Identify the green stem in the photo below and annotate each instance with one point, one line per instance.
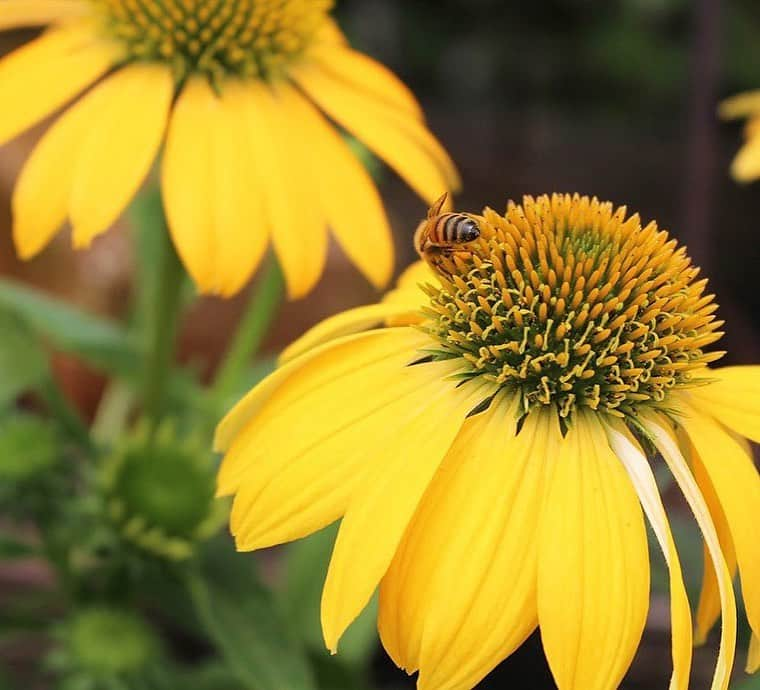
(258, 316)
(64, 412)
(113, 412)
(161, 327)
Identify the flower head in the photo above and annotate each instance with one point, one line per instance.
(159, 494)
(491, 459)
(236, 92)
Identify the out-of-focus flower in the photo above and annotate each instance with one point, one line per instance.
(237, 92)
(102, 647)
(159, 494)
(746, 165)
(490, 463)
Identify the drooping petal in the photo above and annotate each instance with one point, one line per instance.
(746, 164)
(362, 73)
(41, 196)
(593, 569)
(668, 447)
(733, 398)
(708, 608)
(735, 479)
(116, 155)
(212, 188)
(45, 73)
(292, 206)
(344, 406)
(346, 192)
(17, 13)
(753, 654)
(387, 497)
(460, 594)
(403, 142)
(635, 462)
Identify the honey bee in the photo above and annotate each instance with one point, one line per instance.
(444, 233)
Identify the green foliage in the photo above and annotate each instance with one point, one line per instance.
(23, 364)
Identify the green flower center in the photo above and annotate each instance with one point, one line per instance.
(570, 303)
(247, 38)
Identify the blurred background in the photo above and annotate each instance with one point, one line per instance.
(615, 99)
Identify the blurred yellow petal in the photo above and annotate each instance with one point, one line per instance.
(732, 397)
(346, 192)
(41, 196)
(347, 402)
(362, 73)
(753, 654)
(212, 188)
(292, 206)
(444, 605)
(44, 74)
(384, 503)
(636, 464)
(403, 142)
(735, 479)
(343, 323)
(17, 13)
(741, 105)
(666, 443)
(593, 569)
(746, 165)
(127, 128)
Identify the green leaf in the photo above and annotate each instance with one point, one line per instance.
(101, 342)
(306, 567)
(12, 548)
(242, 617)
(751, 683)
(23, 364)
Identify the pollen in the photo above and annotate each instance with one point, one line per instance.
(570, 302)
(246, 38)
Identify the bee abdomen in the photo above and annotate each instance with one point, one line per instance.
(455, 228)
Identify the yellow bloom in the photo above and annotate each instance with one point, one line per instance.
(491, 459)
(746, 165)
(235, 91)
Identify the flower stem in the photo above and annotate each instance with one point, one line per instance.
(254, 324)
(161, 326)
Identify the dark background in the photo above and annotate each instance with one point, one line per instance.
(615, 99)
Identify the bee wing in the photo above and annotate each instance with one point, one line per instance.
(435, 209)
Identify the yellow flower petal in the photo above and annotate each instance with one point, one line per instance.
(737, 484)
(753, 654)
(362, 73)
(404, 143)
(741, 105)
(444, 605)
(384, 503)
(45, 73)
(41, 196)
(299, 232)
(733, 398)
(213, 188)
(125, 134)
(593, 569)
(635, 462)
(668, 447)
(708, 608)
(346, 192)
(17, 13)
(343, 405)
(746, 165)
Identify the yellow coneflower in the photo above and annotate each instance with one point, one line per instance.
(236, 91)
(746, 164)
(490, 462)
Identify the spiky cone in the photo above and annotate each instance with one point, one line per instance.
(158, 493)
(236, 92)
(492, 461)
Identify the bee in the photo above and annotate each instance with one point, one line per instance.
(444, 233)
